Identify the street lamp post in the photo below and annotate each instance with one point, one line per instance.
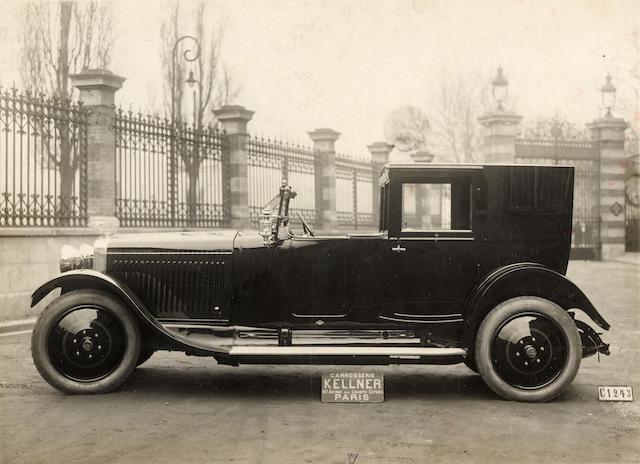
(499, 89)
(192, 81)
(608, 94)
(190, 55)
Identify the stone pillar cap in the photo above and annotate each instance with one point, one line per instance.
(504, 117)
(233, 112)
(324, 134)
(93, 78)
(380, 147)
(613, 123)
(422, 156)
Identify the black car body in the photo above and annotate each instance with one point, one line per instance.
(466, 256)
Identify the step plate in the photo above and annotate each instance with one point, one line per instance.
(393, 351)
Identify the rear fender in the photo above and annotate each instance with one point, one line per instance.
(522, 279)
(90, 279)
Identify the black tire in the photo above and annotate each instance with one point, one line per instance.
(517, 365)
(145, 353)
(84, 342)
(470, 362)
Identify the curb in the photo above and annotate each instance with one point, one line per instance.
(17, 325)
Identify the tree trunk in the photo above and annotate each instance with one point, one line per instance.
(65, 162)
(66, 169)
(193, 171)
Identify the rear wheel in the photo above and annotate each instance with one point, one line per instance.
(470, 362)
(528, 349)
(85, 341)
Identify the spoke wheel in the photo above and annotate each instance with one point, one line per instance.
(85, 341)
(528, 349)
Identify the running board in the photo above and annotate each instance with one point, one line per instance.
(391, 351)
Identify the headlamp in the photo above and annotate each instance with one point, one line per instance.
(73, 258)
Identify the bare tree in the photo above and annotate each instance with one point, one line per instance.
(214, 86)
(59, 39)
(407, 128)
(454, 109)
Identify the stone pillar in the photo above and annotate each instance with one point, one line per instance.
(234, 120)
(324, 142)
(97, 93)
(609, 133)
(379, 157)
(500, 131)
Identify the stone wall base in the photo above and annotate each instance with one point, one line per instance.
(26, 262)
(612, 250)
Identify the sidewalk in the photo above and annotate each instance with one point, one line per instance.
(629, 258)
(17, 325)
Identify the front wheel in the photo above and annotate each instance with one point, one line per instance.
(85, 341)
(145, 353)
(528, 349)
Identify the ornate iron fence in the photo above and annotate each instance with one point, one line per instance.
(354, 192)
(43, 161)
(169, 175)
(583, 155)
(269, 162)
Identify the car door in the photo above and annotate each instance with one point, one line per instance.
(313, 275)
(431, 245)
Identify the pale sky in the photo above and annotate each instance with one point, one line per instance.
(346, 64)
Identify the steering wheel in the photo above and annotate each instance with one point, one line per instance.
(305, 227)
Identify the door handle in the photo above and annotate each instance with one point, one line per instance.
(398, 249)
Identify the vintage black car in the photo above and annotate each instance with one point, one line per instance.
(468, 266)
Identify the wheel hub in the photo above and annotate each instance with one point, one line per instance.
(530, 351)
(87, 344)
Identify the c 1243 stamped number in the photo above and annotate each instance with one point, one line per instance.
(615, 393)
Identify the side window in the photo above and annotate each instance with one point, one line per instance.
(436, 206)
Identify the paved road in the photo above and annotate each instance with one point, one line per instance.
(177, 409)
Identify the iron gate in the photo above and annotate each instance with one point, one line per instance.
(632, 204)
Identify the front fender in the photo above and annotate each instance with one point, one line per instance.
(519, 280)
(78, 279)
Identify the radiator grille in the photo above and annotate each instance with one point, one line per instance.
(175, 285)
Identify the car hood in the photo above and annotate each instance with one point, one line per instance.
(218, 240)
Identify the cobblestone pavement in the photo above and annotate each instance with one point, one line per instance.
(177, 409)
